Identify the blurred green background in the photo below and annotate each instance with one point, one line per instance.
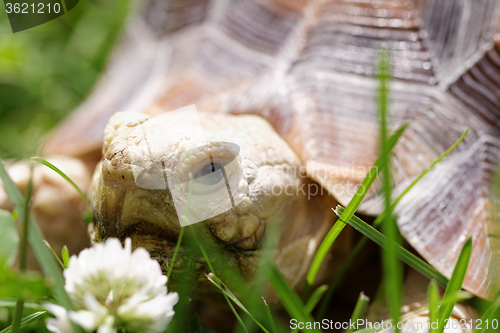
(46, 71)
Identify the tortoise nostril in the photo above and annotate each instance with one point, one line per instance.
(123, 177)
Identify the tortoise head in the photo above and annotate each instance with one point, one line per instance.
(236, 177)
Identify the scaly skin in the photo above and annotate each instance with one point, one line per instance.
(264, 165)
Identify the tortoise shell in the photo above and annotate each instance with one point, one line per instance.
(308, 67)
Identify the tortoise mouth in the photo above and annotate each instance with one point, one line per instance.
(146, 232)
(161, 244)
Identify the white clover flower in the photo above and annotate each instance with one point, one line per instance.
(113, 287)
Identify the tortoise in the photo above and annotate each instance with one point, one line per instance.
(294, 83)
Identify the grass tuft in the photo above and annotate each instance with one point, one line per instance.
(455, 284)
(402, 253)
(348, 213)
(26, 321)
(47, 262)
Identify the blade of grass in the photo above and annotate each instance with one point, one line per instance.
(250, 293)
(392, 275)
(174, 256)
(349, 211)
(213, 278)
(65, 256)
(380, 218)
(455, 284)
(313, 301)
(339, 275)
(10, 303)
(181, 234)
(26, 321)
(315, 297)
(236, 313)
(228, 295)
(56, 169)
(47, 262)
(23, 250)
(225, 291)
(290, 300)
(359, 310)
(361, 243)
(9, 238)
(403, 254)
(372, 174)
(218, 283)
(429, 169)
(454, 298)
(489, 314)
(269, 316)
(55, 254)
(432, 300)
(459, 296)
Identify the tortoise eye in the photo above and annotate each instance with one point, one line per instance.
(211, 174)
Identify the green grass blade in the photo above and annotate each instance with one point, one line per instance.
(489, 314)
(56, 169)
(226, 292)
(359, 310)
(315, 297)
(63, 266)
(181, 234)
(348, 213)
(236, 314)
(218, 283)
(320, 256)
(174, 256)
(403, 254)
(428, 169)
(26, 321)
(269, 316)
(65, 256)
(361, 243)
(353, 254)
(215, 280)
(380, 218)
(454, 298)
(9, 238)
(459, 296)
(432, 300)
(290, 300)
(455, 284)
(10, 303)
(228, 295)
(313, 301)
(45, 258)
(23, 251)
(392, 267)
(370, 178)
